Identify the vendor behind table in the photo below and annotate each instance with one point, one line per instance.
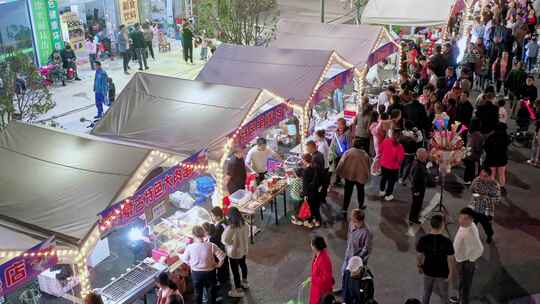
(257, 158)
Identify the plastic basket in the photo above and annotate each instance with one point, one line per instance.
(303, 293)
(295, 188)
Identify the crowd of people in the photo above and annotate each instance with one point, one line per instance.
(486, 86)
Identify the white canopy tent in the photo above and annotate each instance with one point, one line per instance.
(294, 74)
(54, 183)
(407, 12)
(353, 42)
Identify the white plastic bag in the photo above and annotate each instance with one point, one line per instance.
(181, 200)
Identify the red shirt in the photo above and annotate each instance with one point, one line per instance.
(391, 154)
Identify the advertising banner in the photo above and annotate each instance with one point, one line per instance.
(54, 23)
(25, 267)
(129, 12)
(381, 53)
(42, 30)
(151, 194)
(261, 122)
(338, 81)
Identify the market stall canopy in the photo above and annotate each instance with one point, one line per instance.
(177, 115)
(55, 183)
(291, 73)
(352, 42)
(407, 12)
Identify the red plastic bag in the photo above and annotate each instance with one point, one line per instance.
(305, 211)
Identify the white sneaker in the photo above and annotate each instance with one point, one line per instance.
(382, 193)
(308, 224)
(389, 197)
(245, 284)
(400, 180)
(235, 293)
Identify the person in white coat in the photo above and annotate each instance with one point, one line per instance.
(236, 241)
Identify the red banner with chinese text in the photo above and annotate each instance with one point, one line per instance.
(153, 192)
(382, 53)
(263, 121)
(28, 265)
(338, 81)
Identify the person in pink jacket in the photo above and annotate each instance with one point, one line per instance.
(322, 281)
(392, 155)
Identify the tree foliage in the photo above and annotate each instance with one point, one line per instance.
(25, 98)
(243, 22)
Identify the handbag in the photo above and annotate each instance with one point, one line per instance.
(305, 211)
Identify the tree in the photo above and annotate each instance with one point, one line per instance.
(23, 94)
(243, 22)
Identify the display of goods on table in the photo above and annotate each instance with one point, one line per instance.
(263, 194)
(173, 234)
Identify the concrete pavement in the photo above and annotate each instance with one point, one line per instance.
(75, 101)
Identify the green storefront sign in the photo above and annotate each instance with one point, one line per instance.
(46, 28)
(54, 23)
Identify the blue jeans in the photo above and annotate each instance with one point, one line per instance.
(100, 99)
(204, 53)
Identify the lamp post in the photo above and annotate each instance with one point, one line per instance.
(323, 2)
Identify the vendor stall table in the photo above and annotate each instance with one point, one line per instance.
(250, 207)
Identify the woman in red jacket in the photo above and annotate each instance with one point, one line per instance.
(392, 154)
(322, 281)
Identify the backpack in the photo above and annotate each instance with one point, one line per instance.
(497, 34)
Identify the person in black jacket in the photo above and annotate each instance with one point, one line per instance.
(438, 62)
(530, 91)
(319, 163)
(310, 183)
(487, 111)
(358, 287)
(69, 59)
(416, 113)
(464, 110)
(419, 181)
(219, 222)
(496, 147)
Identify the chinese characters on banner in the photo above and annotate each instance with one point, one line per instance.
(43, 35)
(151, 194)
(381, 53)
(263, 121)
(54, 23)
(333, 83)
(129, 12)
(19, 270)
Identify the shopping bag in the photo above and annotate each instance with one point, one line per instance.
(305, 211)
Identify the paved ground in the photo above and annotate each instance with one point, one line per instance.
(76, 99)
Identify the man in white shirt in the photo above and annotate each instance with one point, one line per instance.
(468, 248)
(257, 158)
(384, 97)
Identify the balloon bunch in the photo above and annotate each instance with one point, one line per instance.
(447, 147)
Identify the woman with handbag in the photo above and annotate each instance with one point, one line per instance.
(309, 217)
(236, 240)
